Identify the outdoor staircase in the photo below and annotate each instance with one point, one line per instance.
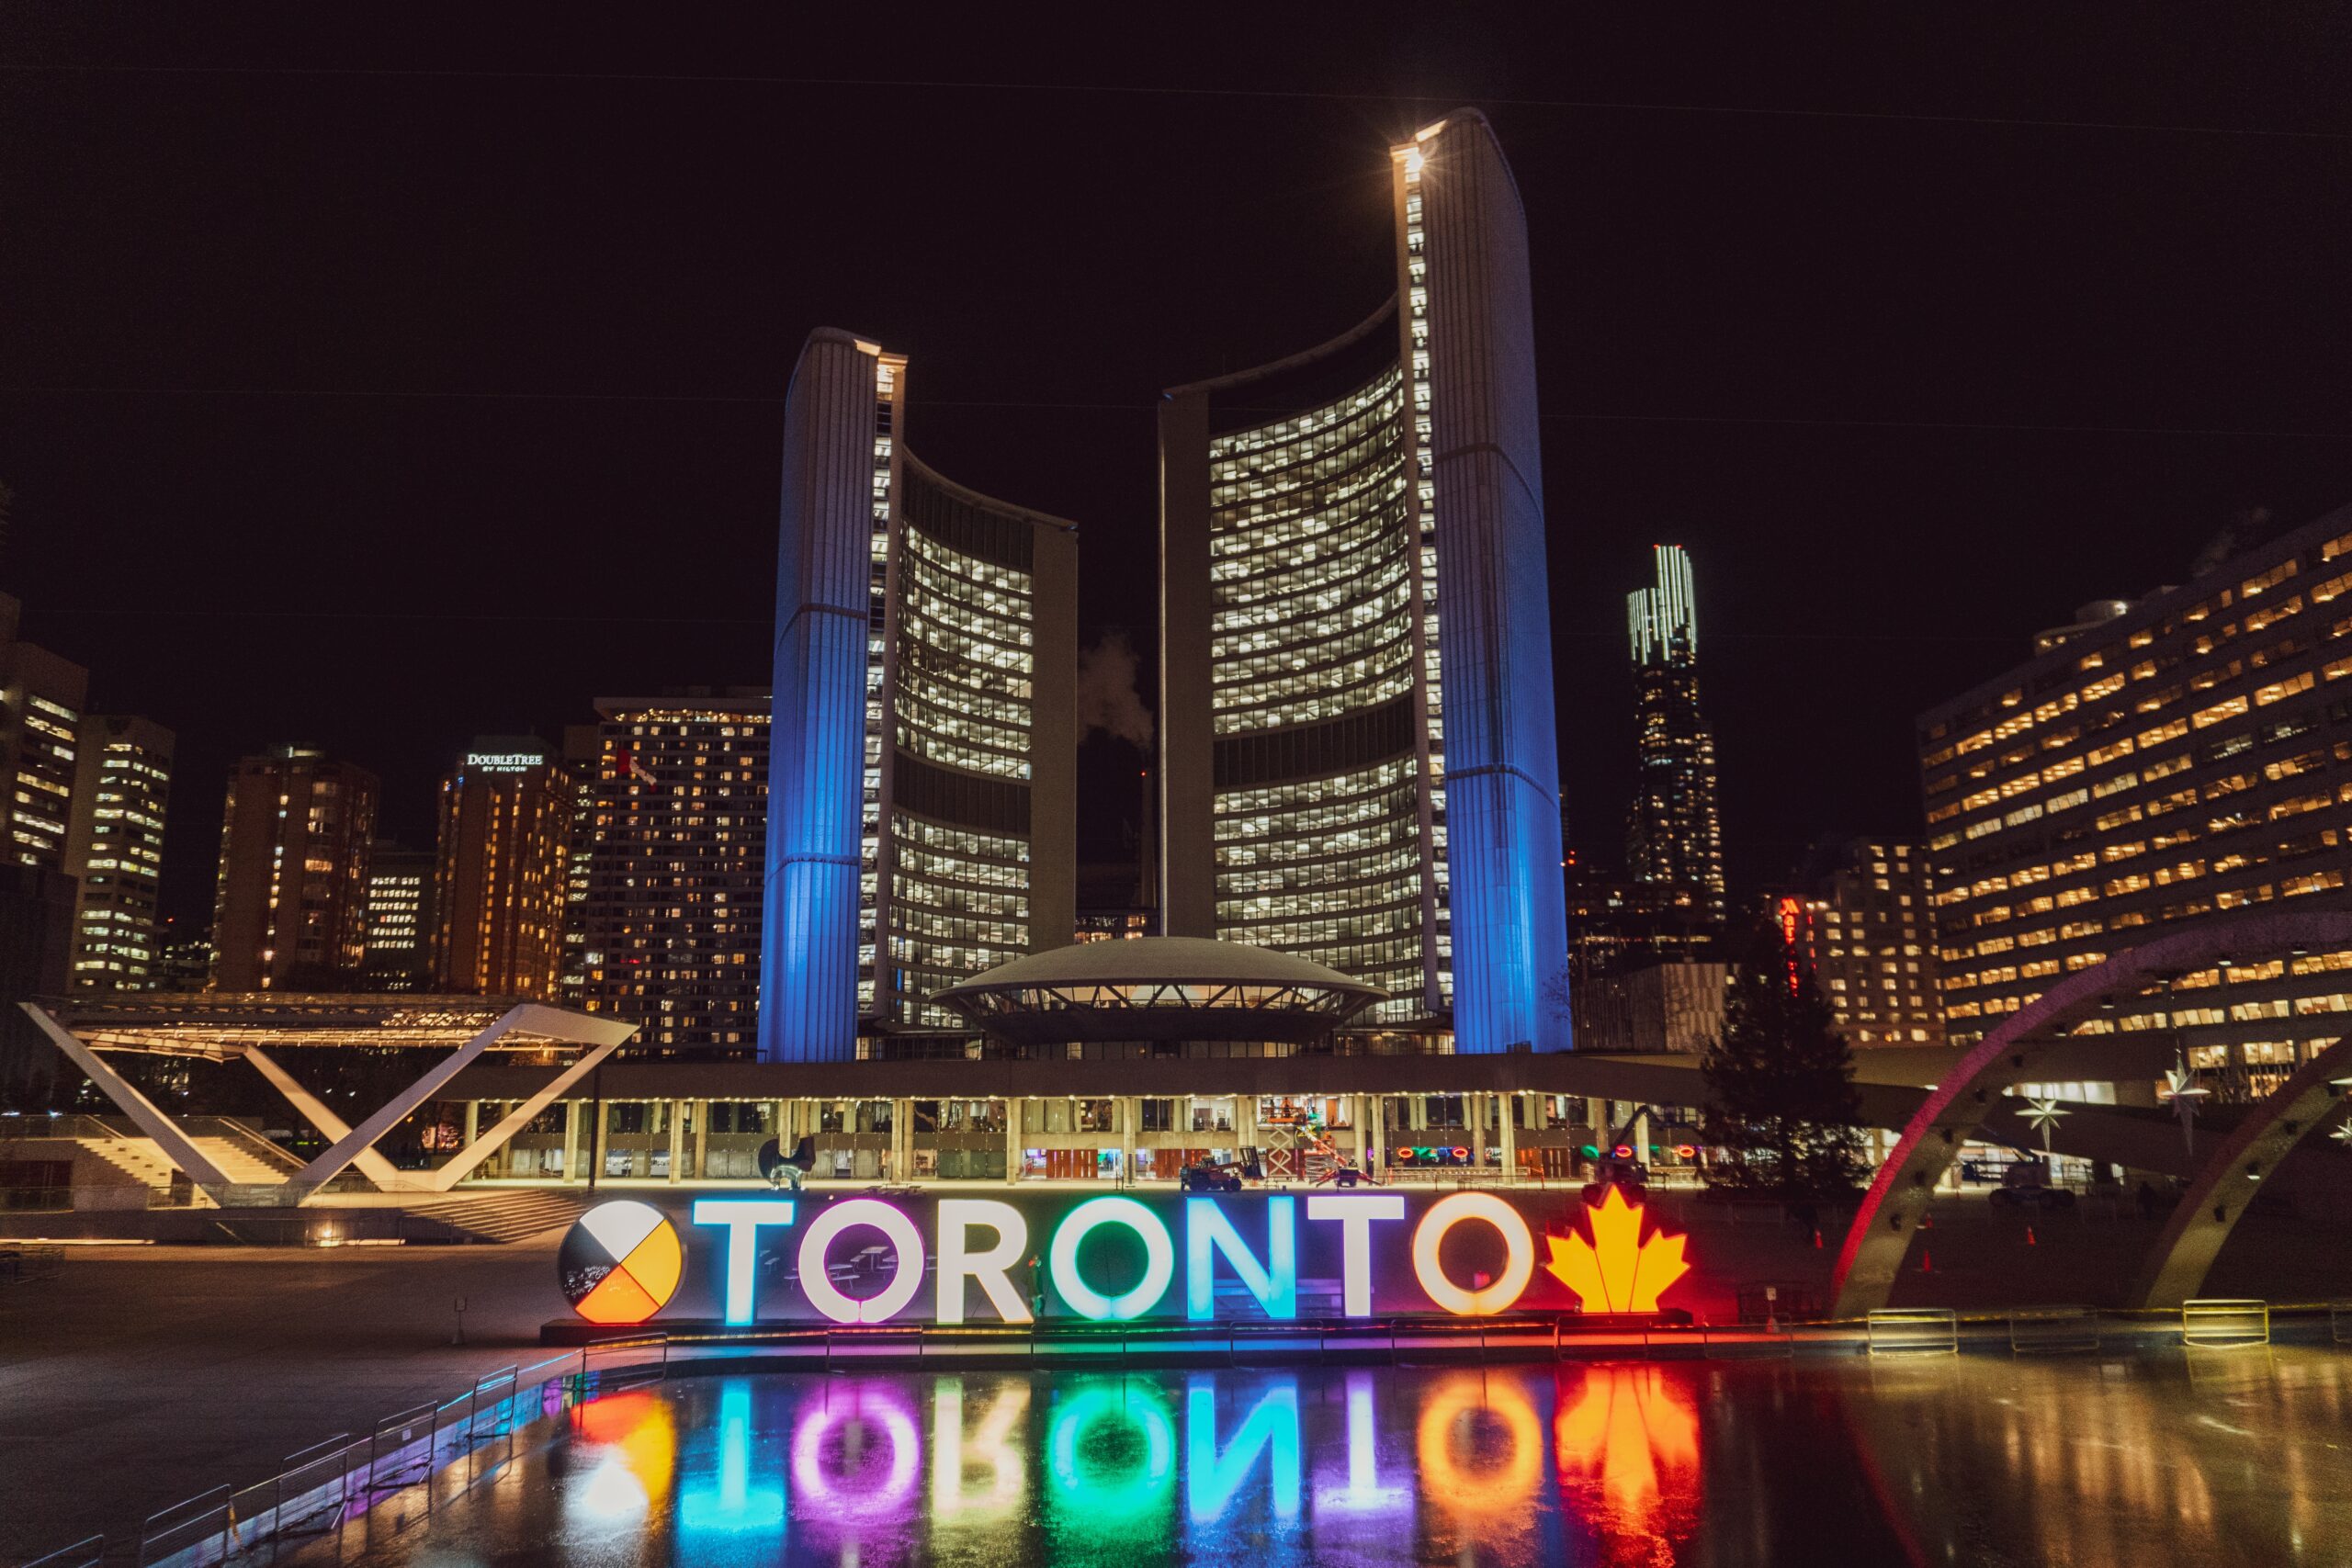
(502, 1216)
(247, 1161)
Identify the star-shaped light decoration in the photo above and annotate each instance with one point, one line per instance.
(2343, 1135)
(2043, 1111)
(2182, 1088)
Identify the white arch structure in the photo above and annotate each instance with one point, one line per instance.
(1969, 1095)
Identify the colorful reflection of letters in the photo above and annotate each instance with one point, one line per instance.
(1627, 1437)
(1373, 1465)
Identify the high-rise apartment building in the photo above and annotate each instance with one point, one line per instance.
(923, 821)
(399, 947)
(670, 921)
(291, 911)
(1357, 756)
(2174, 761)
(503, 870)
(114, 850)
(1864, 925)
(1674, 836)
(42, 699)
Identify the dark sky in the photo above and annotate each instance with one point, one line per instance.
(369, 378)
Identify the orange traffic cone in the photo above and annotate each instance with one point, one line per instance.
(1926, 1263)
(1817, 1241)
(2028, 1235)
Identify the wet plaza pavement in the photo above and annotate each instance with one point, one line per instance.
(2207, 1457)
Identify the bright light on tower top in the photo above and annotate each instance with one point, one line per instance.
(1663, 621)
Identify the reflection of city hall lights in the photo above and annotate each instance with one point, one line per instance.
(1617, 1270)
(982, 1241)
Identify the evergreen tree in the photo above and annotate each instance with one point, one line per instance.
(1781, 1101)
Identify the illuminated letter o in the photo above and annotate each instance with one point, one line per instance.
(1158, 1255)
(816, 1282)
(1518, 1248)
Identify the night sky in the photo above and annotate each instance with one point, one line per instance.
(376, 381)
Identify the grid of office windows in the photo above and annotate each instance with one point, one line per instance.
(672, 917)
(2172, 760)
(961, 674)
(116, 853)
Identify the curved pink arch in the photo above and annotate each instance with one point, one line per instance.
(1875, 1242)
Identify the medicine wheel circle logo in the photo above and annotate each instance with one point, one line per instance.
(620, 1263)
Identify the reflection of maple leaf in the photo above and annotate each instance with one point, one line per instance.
(1617, 1270)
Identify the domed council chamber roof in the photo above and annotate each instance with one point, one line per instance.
(1159, 987)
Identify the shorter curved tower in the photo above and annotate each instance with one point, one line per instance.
(922, 759)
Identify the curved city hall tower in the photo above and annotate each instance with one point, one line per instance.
(922, 758)
(1358, 761)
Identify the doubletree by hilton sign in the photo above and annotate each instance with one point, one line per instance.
(952, 1260)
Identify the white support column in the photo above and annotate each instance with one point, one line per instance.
(1012, 1140)
(461, 1164)
(1130, 1110)
(390, 1114)
(473, 1121)
(1506, 1105)
(143, 1111)
(1474, 1106)
(702, 1140)
(677, 1137)
(575, 1119)
(372, 1165)
(902, 1140)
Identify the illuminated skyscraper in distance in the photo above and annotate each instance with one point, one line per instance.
(1358, 762)
(922, 821)
(1674, 839)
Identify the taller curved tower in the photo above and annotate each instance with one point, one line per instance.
(922, 772)
(1358, 756)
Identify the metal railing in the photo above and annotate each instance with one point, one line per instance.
(2222, 1322)
(316, 1491)
(2053, 1330)
(1918, 1331)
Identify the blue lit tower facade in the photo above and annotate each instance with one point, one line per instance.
(922, 754)
(1674, 837)
(1358, 758)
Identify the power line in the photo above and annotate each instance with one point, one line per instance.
(1598, 105)
(1576, 416)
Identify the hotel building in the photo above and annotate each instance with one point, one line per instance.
(923, 820)
(113, 850)
(291, 911)
(670, 923)
(2158, 763)
(1865, 927)
(1357, 760)
(503, 870)
(1674, 836)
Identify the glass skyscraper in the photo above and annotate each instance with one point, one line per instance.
(921, 814)
(1673, 837)
(1358, 762)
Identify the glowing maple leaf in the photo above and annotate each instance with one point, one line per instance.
(1617, 1270)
